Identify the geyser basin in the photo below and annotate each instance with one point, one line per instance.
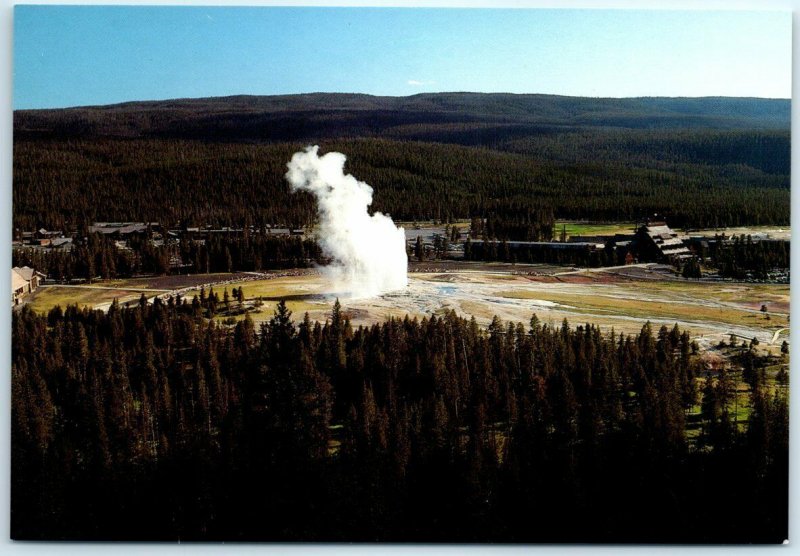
(368, 250)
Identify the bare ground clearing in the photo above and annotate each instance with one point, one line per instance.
(623, 299)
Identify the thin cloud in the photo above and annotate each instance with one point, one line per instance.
(418, 83)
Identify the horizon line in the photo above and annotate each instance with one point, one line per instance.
(238, 95)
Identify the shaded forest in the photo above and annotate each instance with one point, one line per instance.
(743, 257)
(96, 256)
(317, 116)
(699, 162)
(153, 423)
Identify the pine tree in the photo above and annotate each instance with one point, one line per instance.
(419, 249)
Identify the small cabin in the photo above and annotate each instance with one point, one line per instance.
(24, 280)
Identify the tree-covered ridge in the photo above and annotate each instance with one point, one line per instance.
(702, 162)
(324, 115)
(153, 423)
(698, 180)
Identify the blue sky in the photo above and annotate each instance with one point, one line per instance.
(83, 55)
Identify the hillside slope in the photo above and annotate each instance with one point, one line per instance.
(328, 115)
(701, 162)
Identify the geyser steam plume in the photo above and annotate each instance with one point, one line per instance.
(368, 251)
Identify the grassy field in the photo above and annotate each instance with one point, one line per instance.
(592, 229)
(168, 283)
(103, 292)
(648, 300)
(301, 295)
(265, 312)
(739, 408)
(774, 232)
(775, 296)
(273, 289)
(572, 228)
(709, 310)
(46, 298)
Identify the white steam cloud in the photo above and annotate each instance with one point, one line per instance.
(368, 251)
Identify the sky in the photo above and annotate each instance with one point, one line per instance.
(88, 55)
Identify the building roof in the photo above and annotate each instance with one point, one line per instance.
(17, 281)
(25, 272)
(121, 228)
(658, 230)
(44, 232)
(667, 241)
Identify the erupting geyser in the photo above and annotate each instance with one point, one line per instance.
(368, 251)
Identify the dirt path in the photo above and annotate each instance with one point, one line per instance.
(87, 287)
(777, 333)
(645, 266)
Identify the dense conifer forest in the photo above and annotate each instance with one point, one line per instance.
(96, 256)
(699, 162)
(154, 423)
(743, 256)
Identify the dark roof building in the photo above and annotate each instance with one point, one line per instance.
(121, 229)
(658, 242)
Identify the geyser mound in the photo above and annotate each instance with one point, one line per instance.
(368, 251)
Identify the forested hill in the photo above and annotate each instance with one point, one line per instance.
(699, 162)
(464, 118)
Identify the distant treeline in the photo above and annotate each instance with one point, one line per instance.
(97, 256)
(744, 257)
(59, 183)
(465, 118)
(738, 258)
(514, 223)
(152, 423)
(520, 253)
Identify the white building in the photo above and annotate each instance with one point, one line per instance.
(23, 281)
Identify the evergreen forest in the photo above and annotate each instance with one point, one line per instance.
(698, 162)
(154, 423)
